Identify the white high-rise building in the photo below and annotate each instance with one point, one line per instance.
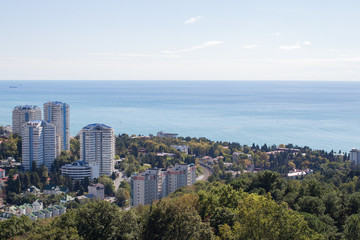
(58, 113)
(23, 114)
(38, 144)
(97, 145)
(158, 183)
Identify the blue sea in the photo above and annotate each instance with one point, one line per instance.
(322, 115)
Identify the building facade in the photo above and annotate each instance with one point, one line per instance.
(58, 113)
(80, 170)
(97, 190)
(162, 134)
(97, 145)
(38, 144)
(355, 156)
(23, 114)
(158, 183)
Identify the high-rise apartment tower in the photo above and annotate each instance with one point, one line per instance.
(23, 114)
(58, 113)
(38, 144)
(97, 145)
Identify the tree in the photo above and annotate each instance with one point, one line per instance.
(108, 185)
(352, 227)
(113, 176)
(122, 196)
(97, 220)
(175, 219)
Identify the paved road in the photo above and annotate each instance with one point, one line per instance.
(206, 174)
(118, 180)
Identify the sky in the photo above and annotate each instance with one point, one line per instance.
(180, 40)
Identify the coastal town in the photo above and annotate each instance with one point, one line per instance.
(45, 171)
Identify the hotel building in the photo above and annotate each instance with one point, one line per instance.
(38, 144)
(58, 113)
(158, 183)
(23, 114)
(97, 145)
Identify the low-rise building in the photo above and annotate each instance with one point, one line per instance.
(67, 199)
(296, 173)
(181, 148)
(5, 215)
(32, 190)
(49, 212)
(54, 190)
(80, 170)
(167, 135)
(97, 190)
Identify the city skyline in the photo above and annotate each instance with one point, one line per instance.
(187, 40)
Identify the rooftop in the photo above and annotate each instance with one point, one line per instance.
(27, 107)
(97, 126)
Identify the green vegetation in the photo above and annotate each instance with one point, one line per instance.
(217, 210)
(262, 205)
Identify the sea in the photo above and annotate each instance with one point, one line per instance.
(321, 115)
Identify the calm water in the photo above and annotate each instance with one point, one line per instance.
(322, 115)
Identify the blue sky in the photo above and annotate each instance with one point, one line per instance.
(180, 40)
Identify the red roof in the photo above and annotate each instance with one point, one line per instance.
(2, 170)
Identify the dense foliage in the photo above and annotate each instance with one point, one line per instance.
(217, 210)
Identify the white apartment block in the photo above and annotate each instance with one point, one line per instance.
(58, 113)
(38, 144)
(97, 145)
(23, 114)
(158, 183)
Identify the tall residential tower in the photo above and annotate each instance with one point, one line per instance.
(58, 113)
(23, 114)
(38, 144)
(97, 145)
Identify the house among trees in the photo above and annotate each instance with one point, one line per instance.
(32, 190)
(54, 190)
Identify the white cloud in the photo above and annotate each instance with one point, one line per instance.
(107, 54)
(249, 46)
(278, 34)
(290, 47)
(193, 19)
(204, 45)
(297, 45)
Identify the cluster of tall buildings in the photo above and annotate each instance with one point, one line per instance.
(43, 140)
(154, 184)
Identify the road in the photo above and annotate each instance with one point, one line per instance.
(118, 180)
(206, 175)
